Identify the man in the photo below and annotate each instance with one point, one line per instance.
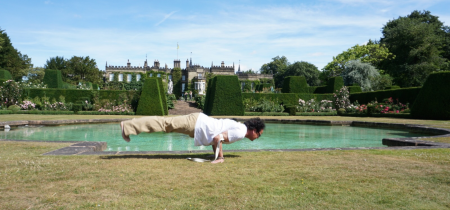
(205, 130)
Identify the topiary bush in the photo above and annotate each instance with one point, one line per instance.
(53, 79)
(153, 98)
(4, 76)
(223, 96)
(433, 101)
(333, 84)
(295, 84)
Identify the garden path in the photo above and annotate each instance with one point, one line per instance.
(184, 107)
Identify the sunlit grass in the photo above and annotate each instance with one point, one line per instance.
(369, 179)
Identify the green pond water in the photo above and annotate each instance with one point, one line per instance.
(276, 136)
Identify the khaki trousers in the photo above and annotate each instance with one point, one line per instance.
(181, 124)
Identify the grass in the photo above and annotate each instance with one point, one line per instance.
(359, 179)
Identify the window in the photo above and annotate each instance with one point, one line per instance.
(182, 87)
(120, 77)
(111, 77)
(200, 76)
(159, 75)
(128, 77)
(242, 86)
(138, 77)
(253, 85)
(183, 77)
(151, 74)
(170, 77)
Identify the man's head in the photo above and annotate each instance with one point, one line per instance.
(255, 127)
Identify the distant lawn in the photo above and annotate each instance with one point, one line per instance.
(358, 179)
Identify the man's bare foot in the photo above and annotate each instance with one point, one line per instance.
(221, 160)
(126, 138)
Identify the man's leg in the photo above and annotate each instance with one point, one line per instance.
(181, 124)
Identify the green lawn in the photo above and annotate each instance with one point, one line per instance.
(358, 179)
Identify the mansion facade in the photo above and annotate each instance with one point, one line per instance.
(191, 73)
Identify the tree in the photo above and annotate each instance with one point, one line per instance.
(250, 71)
(369, 53)
(357, 72)
(277, 68)
(35, 75)
(305, 69)
(56, 63)
(11, 59)
(419, 43)
(83, 69)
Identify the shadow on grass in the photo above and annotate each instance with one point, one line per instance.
(203, 156)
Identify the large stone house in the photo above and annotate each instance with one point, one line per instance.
(191, 73)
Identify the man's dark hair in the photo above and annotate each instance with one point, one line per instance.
(255, 123)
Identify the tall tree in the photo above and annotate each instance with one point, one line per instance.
(357, 72)
(59, 63)
(83, 69)
(418, 41)
(371, 52)
(11, 59)
(276, 67)
(305, 69)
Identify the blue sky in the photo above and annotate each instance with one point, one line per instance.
(250, 32)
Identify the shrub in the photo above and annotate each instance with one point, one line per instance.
(433, 101)
(14, 108)
(153, 98)
(223, 96)
(334, 84)
(27, 105)
(403, 95)
(341, 98)
(10, 93)
(53, 79)
(284, 98)
(295, 84)
(262, 105)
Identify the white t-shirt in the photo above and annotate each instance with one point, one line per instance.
(206, 128)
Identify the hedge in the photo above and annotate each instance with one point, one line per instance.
(266, 114)
(285, 98)
(354, 89)
(316, 114)
(334, 83)
(404, 95)
(295, 84)
(6, 112)
(53, 79)
(45, 112)
(433, 100)
(317, 89)
(224, 97)
(72, 95)
(262, 87)
(4, 76)
(317, 97)
(152, 101)
(104, 113)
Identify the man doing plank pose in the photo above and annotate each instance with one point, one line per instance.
(205, 130)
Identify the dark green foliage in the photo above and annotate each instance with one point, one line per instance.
(266, 114)
(77, 107)
(354, 89)
(304, 69)
(404, 95)
(224, 97)
(45, 112)
(334, 83)
(295, 84)
(316, 114)
(95, 86)
(4, 74)
(317, 89)
(12, 59)
(262, 87)
(284, 98)
(53, 79)
(104, 113)
(6, 112)
(433, 101)
(291, 109)
(176, 79)
(163, 96)
(392, 87)
(153, 100)
(370, 110)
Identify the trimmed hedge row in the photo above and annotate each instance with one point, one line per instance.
(354, 89)
(334, 83)
(266, 114)
(433, 100)
(404, 95)
(153, 100)
(224, 97)
(285, 98)
(73, 95)
(53, 79)
(6, 112)
(295, 84)
(104, 113)
(317, 97)
(45, 112)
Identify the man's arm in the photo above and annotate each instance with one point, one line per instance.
(218, 143)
